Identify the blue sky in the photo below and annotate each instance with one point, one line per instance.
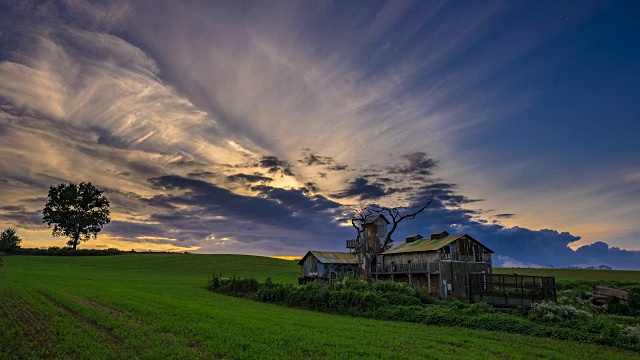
(252, 127)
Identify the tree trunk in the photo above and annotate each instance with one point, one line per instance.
(367, 267)
(76, 240)
(368, 260)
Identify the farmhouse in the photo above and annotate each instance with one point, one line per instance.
(441, 263)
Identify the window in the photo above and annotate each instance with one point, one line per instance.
(349, 274)
(333, 276)
(445, 253)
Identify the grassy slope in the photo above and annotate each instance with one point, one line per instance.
(576, 274)
(154, 306)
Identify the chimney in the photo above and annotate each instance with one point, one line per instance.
(439, 235)
(412, 238)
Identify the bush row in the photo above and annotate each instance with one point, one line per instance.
(399, 302)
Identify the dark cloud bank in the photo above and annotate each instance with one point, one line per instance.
(291, 221)
(199, 213)
(515, 246)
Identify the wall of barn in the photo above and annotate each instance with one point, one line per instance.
(457, 273)
(342, 270)
(310, 265)
(419, 280)
(414, 258)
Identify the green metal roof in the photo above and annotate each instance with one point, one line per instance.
(423, 245)
(428, 244)
(329, 257)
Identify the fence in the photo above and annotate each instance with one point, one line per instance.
(511, 290)
(406, 268)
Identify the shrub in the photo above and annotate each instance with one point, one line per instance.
(632, 333)
(521, 311)
(401, 299)
(457, 304)
(479, 308)
(233, 286)
(393, 287)
(551, 312)
(634, 299)
(352, 284)
(614, 306)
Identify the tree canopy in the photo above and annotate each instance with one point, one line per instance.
(9, 241)
(76, 211)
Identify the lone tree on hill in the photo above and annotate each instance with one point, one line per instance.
(76, 211)
(9, 241)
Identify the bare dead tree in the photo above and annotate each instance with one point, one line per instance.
(395, 215)
(359, 219)
(398, 214)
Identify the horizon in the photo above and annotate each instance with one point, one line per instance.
(252, 128)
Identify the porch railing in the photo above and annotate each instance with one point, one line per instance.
(357, 244)
(465, 258)
(406, 268)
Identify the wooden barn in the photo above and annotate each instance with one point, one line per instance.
(441, 263)
(326, 267)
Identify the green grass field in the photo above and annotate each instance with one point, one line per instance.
(154, 306)
(576, 274)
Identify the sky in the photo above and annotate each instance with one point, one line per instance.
(256, 127)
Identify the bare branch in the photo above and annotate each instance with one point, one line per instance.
(394, 214)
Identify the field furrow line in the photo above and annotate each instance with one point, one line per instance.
(169, 338)
(116, 341)
(33, 330)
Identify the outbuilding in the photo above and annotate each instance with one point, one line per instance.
(326, 267)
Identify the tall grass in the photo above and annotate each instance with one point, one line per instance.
(154, 306)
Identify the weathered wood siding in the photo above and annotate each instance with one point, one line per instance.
(457, 273)
(313, 268)
(419, 280)
(310, 265)
(414, 258)
(456, 261)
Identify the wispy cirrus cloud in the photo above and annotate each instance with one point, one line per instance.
(257, 123)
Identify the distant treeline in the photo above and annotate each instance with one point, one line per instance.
(64, 251)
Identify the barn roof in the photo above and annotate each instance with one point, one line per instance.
(428, 244)
(332, 257)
